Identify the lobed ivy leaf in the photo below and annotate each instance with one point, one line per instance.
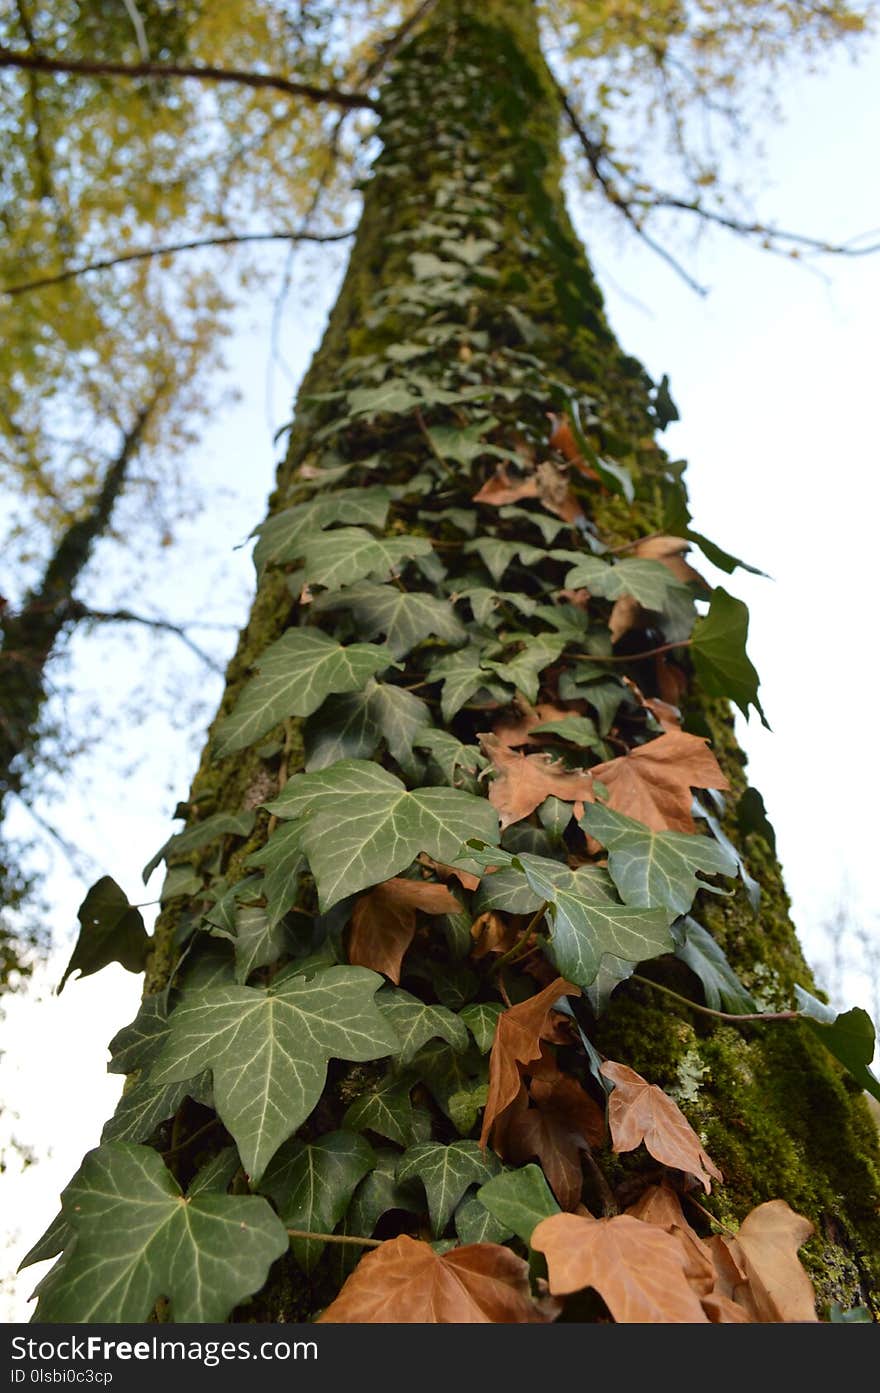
(281, 535)
(519, 1199)
(481, 1018)
(524, 670)
(656, 869)
(201, 835)
(405, 618)
(348, 554)
(111, 931)
(268, 1049)
(294, 676)
(283, 861)
(649, 582)
(496, 554)
(312, 1184)
(364, 826)
(414, 1023)
(718, 650)
(446, 1172)
(145, 1105)
(351, 726)
(137, 1240)
(722, 988)
(474, 1223)
(848, 1035)
(386, 1110)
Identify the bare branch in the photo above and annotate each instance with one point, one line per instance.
(755, 229)
(171, 249)
(78, 611)
(85, 67)
(595, 157)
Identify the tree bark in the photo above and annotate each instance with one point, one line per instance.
(470, 122)
(30, 634)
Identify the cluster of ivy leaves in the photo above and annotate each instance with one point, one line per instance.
(276, 1089)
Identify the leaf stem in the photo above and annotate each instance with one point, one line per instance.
(719, 1223)
(634, 657)
(512, 953)
(337, 1238)
(718, 1015)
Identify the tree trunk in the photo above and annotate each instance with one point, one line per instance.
(464, 225)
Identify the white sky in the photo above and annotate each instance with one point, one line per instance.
(775, 378)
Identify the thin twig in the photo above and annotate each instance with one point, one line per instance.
(719, 1223)
(124, 616)
(634, 657)
(91, 67)
(718, 1015)
(336, 1238)
(512, 953)
(171, 249)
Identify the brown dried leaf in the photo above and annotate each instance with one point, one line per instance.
(501, 489)
(653, 783)
(564, 1122)
(517, 1041)
(661, 1206)
(639, 1111)
(669, 717)
(626, 613)
(444, 872)
(492, 934)
(514, 731)
(672, 681)
(637, 1269)
(562, 439)
(766, 1248)
(384, 921)
(669, 551)
(522, 782)
(404, 1282)
(555, 494)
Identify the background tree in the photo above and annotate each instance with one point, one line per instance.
(449, 364)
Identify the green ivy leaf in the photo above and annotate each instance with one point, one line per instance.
(474, 1223)
(268, 1049)
(414, 1023)
(348, 554)
(656, 869)
(523, 671)
(312, 1184)
(111, 931)
(281, 536)
(406, 618)
(586, 923)
(446, 1172)
(364, 825)
(216, 1175)
(519, 1200)
(722, 988)
(145, 1105)
(462, 676)
(351, 726)
(649, 582)
(294, 676)
(464, 444)
(496, 555)
(458, 764)
(481, 1018)
(577, 730)
(386, 1110)
(391, 398)
(848, 1035)
(718, 650)
(201, 835)
(283, 861)
(137, 1240)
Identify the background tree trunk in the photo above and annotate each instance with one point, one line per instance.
(470, 131)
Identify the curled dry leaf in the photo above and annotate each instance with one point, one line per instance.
(404, 1282)
(501, 489)
(653, 782)
(639, 1111)
(563, 1122)
(518, 1036)
(384, 921)
(555, 494)
(492, 934)
(777, 1287)
(638, 1269)
(670, 552)
(515, 731)
(672, 683)
(666, 716)
(522, 782)
(444, 872)
(562, 439)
